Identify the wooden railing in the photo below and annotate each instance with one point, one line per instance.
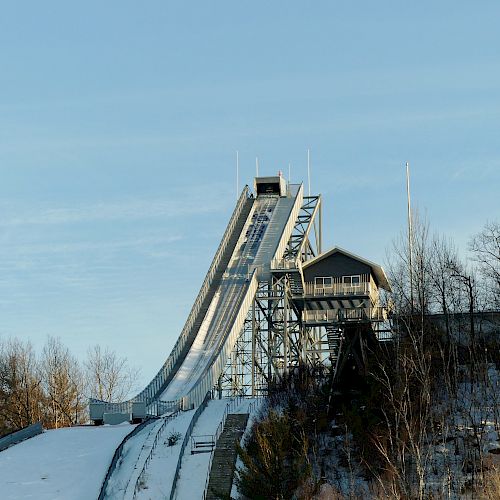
(365, 287)
(278, 264)
(347, 314)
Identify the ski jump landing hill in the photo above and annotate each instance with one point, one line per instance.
(257, 234)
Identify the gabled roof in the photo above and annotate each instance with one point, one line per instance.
(377, 270)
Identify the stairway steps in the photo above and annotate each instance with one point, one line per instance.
(224, 459)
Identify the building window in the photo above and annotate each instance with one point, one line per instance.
(323, 282)
(352, 281)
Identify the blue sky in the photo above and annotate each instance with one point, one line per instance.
(119, 124)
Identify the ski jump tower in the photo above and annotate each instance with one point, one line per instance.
(271, 300)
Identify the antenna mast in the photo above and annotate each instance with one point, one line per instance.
(410, 235)
(257, 166)
(237, 174)
(308, 172)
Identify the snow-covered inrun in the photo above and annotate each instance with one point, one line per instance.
(62, 464)
(267, 212)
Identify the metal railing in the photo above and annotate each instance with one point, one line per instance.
(187, 437)
(288, 229)
(220, 356)
(285, 264)
(149, 393)
(117, 455)
(159, 432)
(181, 341)
(234, 402)
(347, 314)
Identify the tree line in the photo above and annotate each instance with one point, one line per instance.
(53, 387)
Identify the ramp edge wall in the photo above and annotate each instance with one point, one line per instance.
(287, 230)
(117, 455)
(218, 362)
(226, 247)
(186, 338)
(20, 435)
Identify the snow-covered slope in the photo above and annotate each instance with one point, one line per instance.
(61, 464)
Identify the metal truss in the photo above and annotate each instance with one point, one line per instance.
(273, 339)
(276, 338)
(270, 343)
(301, 244)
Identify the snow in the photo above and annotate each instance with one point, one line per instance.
(158, 477)
(69, 463)
(156, 482)
(194, 470)
(122, 477)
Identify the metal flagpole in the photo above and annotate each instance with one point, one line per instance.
(237, 174)
(308, 173)
(410, 235)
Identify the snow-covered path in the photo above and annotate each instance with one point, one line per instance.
(60, 464)
(159, 475)
(194, 469)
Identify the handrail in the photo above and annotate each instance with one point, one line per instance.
(166, 420)
(181, 341)
(118, 453)
(157, 384)
(187, 437)
(219, 358)
(219, 431)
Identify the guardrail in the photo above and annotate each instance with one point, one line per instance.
(157, 383)
(118, 454)
(363, 288)
(159, 432)
(219, 358)
(149, 393)
(187, 437)
(20, 435)
(156, 408)
(288, 229)
(285, 264)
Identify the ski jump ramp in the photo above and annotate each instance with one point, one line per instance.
(257, 234)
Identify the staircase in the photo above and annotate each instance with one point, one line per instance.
(333, 336)
(224, 459)
(296, 286)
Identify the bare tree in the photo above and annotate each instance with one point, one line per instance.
(485, 248)
(22, 398)
(109, 377)
(63, 383)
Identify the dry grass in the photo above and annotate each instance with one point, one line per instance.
(492, 484)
